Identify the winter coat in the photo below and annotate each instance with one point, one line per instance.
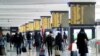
(82, 42)
(58, 41)
(49, 40)
(38, 40)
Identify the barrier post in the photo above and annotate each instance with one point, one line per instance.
(97, 48)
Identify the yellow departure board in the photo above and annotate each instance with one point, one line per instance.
(24, 28)
(37, 24)
(46, 22)
(31, 26)
(82, 13)
(77, 14)
(20, 29)
(56, 19)
(27, 27)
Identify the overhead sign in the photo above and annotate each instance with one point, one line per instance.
(60, 18)
(46, 22)
(13, 29)
(37, 24)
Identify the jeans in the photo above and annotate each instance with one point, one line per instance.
(18, 49)
(29, 43)
(50, 50)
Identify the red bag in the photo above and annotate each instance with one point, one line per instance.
(70, 47)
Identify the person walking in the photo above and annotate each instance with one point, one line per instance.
(17, 42)
(29, 39)
(58, 41)
(65, 39)
(49, 42)
(82, 42)
(2, 48)
(8, 37)
(38, 42)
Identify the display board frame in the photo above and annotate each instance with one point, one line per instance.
(85, 26)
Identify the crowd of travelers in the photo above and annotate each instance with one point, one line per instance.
(23, 42)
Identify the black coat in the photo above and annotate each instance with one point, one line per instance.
(58, 41)
(17, 40)
(8, 37)
(28, 36)
(38, 40)
(49, 40)
(82, 42)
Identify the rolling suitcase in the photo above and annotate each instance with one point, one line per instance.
(42, 52)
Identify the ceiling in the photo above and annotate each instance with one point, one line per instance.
(28, 2)
(19, 12)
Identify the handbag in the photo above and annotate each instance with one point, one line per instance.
(57, 53)
(24, 49)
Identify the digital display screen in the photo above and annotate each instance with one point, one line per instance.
(56, 32)
(87, 31)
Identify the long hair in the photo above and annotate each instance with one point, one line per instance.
(82, 30)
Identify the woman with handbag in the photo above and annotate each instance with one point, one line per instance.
(82, 42)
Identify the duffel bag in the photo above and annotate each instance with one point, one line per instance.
(24, 49)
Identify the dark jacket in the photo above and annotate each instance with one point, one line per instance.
(82, 42)
(8, 37)
(64, 36)
(49, 40)
(58, 41)
(17, 39)
(38, 39)
(28, 36)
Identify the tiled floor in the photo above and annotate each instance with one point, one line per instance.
(92, 52)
